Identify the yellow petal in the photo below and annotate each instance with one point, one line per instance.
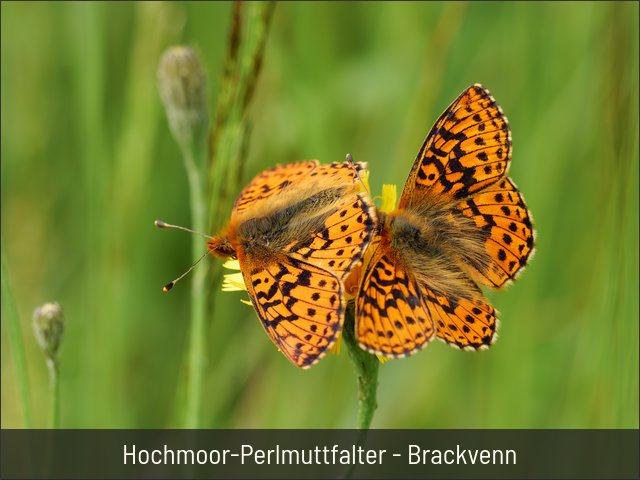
(364, 176)
(233, 282)
(231, 265)
(389, 196)
(246, 302)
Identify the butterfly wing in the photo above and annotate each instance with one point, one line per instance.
(271, 182)
(466, 323)
(500, 212)
(398, 313)
(466, 156)
(467, 149)
(341, 241)
(299, 305)
(274, 180)
(392, 316)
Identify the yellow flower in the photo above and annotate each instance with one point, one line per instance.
(233, 282)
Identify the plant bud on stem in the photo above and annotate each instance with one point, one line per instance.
(182, 83)
(48, 326)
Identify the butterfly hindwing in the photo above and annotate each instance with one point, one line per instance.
(293, 175)
(468, 148)
(466, 323)
(500, 211)
(271, 182)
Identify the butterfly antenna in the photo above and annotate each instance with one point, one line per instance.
(170, 285)
(350, 160)
(161, 224)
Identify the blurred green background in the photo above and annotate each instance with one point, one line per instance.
(88, 163)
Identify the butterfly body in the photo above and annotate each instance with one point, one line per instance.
(460, 222)
(297, 232)
(436, 246)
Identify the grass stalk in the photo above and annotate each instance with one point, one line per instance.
(197, 345)
(229, 136)
(54, 394)
(182, 84)
(16, 343)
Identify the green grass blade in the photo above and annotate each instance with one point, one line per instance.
(12, 323)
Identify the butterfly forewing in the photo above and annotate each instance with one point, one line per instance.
(299, 305)
(467, 149)
(393, 318)
(293, 175)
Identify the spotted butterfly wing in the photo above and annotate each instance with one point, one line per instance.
(466, 156)
(467, 149)
(341, 242)
(399, 311)
(299, 305)
(292, 175)
(393, 316)
(272, 181)
(500, 212)
(466, 323)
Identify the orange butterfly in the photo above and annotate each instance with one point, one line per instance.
(460, 221)
(297, 231)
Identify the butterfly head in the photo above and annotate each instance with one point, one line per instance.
(220, 246)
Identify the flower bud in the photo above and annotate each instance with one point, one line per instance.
(182, 83)
(48, 326)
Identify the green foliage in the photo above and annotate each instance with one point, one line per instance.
(88, 162)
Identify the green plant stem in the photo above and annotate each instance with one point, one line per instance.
(54, 394)
(17, 344)
(367, 366)
(197, 333)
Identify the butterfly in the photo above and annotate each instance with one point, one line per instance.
(460, 222)
(297, 231)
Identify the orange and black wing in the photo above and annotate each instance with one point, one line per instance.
(467, 149)
(276, 179)
(466, 323)
(273, 181)
(341, 241)
(299, 305)
(397, 313)
(500, 212)
(392, 315)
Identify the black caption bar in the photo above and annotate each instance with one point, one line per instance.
(393, 454)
